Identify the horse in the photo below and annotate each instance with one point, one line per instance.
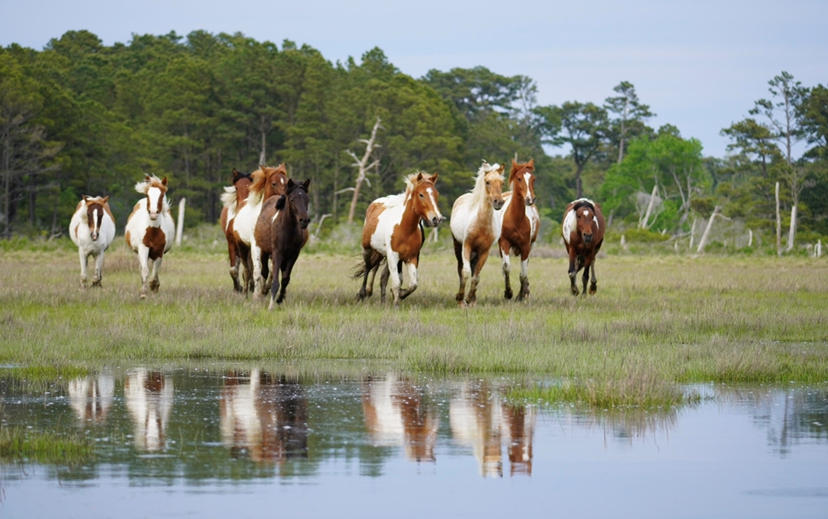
(267, 181)
(583, 232)
(518, 221)
(281, 232)
(92, 229)
(473, 228)
(233, 199)
(150, 229)
(392, 234)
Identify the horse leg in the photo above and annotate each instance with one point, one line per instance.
(524, 278)
(256, 259)
(143, 258)
(83, 260)
(274, 287)
(573, 272)
(291, 261)
(99, 259)
(593, 287)
(368, 269)
(392, 258)
(506, 266)
(235, 263)
(587, 264)
(156, 267)
(478, 266)
(383, 281)
(267, 273)
(463, 270)
(412, 279)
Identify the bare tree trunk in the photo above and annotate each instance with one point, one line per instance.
(643, 223)
(179, 230)
(778, 224)
(750, 238)
(263, 148)
(693, 233)
(791, 230)
(706, 234)
(363, 167)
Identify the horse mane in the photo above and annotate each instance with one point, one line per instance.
(150, 181)
(228, 198)
(479, 191)
(583, 202)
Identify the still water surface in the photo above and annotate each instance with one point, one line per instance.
(250, 442)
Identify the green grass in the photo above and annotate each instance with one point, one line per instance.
(656, 321)
(18, 445)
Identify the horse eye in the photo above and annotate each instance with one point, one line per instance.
(421, 195)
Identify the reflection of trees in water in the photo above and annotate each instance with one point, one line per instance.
(91, 397)
(396, 412)
(788, 415)
(263, 417)
(480, 420)
(149, 399)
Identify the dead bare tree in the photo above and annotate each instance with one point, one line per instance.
(363, 167)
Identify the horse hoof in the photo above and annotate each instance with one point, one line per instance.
(97, 283)
(593, 289)
(507, 294)
(143, 295)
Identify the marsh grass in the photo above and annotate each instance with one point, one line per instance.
(656, 321)
(18, 445)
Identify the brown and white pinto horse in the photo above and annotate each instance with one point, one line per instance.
(233, 199)
(473, 228)
(150, 230)
(583, 232)
(392, 233)
(281, 232)
(267, 181)
(92, 229)
(519, 221)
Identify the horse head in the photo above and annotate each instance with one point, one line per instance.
(586, 221)
(94, 214)
(522, 177)
(155, 189)
(493, 183)
(296, 201)
(275, 180)
(241, 181)
(424, 197)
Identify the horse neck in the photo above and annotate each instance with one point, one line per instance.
(517, 204)
(410, 220)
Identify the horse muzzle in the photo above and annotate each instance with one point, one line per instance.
(94, 236)
(497, 204)
(530, 200)
(587, 238)
(304, 222)
(153, 216)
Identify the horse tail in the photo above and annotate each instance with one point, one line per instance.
(228, 198)
(374, 260)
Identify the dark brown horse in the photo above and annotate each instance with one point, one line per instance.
(583, 232)
(281, 232)
(233, 199)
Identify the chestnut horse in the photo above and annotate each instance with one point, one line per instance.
(233, 199)
(473, 228)
(392, 233)
(281, 232)
(583, 232)
(150, 230)
(519, 221)
(267, 181)
(92, 229)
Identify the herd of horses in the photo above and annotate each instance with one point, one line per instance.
(265, 221)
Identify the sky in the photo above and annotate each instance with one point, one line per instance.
(699, 65)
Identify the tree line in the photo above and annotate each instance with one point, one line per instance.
(79, 117)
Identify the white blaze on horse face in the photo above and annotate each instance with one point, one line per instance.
(430, 192)
(568, 224)
(595, 219)
(95, 220)
(153, 195)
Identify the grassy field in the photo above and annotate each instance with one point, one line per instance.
(656, 320)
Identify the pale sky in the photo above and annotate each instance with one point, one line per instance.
(699, 65)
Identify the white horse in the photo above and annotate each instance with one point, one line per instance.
(92, 229)
(474, 229)
(150, 229)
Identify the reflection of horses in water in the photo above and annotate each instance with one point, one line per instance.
(479, 420)
(91, 397)
(395, 414)
(264, 417)
(149, 399)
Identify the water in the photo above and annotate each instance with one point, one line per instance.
(241, 443)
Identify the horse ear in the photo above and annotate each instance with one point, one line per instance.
(419, 178)
(147, 178)
(164, 181)
(305, 184)
(280, 202)
(531, 163)
(105, 199)
(434, 178)
(84, 198)
(236, 175)
(291, 184)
